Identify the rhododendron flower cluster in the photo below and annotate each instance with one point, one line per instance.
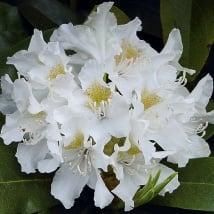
(114, 107)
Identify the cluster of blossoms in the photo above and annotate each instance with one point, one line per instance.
(114, 106)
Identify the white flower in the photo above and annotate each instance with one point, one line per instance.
(42, 62)
(107, 115)
(28, 124)
(82, 161)
(106, 109)
(185, 120)
(7, 104)
(94, 39)
(132, 172)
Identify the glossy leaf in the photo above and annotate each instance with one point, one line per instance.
(19, 192)
(11, 26)
(196, 191)
(45, 14)
(122, 18)
(195, 19)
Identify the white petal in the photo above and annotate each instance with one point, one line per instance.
(203, 91)
(37, 42)
(128, 31)
(23, 61)
(24, 97)
(10, 135)
(174, 47)
(96, 39)
(10, 132)
(92, 179)
(174, 44)
(67, 186)
(29, 155)
(102, 195)
(7, 105)
(90, 73)
(53, 133)
(55, 148)
(119, 117)
(21, 94)
(148, 149)
(126, 190)
(48, 165)
(165, 172)
(6, 85)
(173, 138)
(100, 160)
(196, 147)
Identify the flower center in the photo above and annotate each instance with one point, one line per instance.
(76, 142)
(56, 71)
(98, 93)
(39, 117)
(77, 157)
(129, 52)
(134, 150)
(149, 99)
(79, 161)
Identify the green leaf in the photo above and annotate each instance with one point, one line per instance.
(160, 186)
(45, 14)
(11, 27)
(195, 19)
(151, 189)
(196, 191)
(19, 192)
(122, 18)
(210, 128)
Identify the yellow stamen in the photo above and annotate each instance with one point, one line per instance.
(56, 71)
(98, 93)
(134, 150)
(39, 117)
(128, 52)
(76, 142)
(149, 99)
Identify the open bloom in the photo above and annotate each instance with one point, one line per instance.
(132, 172)
(107, 115)
(82, 161)
(42, 62)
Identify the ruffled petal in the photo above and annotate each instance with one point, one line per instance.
(23, 61)
(203, 92)
(126, 190)
(102, 196)
(174, 47)
(165, 172)
(67, 186)
(48, 165)
(95, 39)
(37, 42)
(10, 132)
(29, 155)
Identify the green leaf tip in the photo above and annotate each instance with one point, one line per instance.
(152, 188)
